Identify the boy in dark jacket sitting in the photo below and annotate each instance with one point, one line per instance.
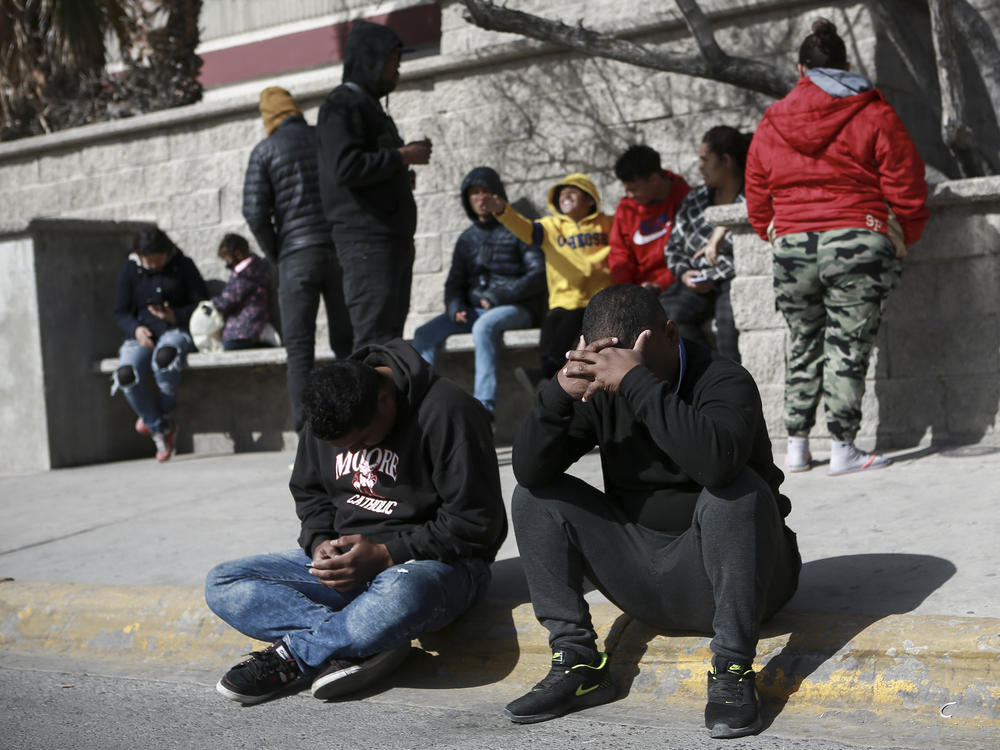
(496, 283)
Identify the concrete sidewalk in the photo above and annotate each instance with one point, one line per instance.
(897, 616)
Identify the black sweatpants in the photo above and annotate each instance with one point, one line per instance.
(560, 332)
(732, 569)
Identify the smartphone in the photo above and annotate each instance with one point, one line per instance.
(699, 279)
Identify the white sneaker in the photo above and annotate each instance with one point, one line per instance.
(798, 458)
(845, 458)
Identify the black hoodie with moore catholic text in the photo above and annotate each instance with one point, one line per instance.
(429, 491)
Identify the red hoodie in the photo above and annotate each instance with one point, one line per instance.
(819, 162)
(639, 237)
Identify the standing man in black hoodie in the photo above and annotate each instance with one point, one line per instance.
(397, 487)
(689, 531)
(367, 187)
(281, 204)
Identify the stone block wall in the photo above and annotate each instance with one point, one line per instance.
(533, 111)
(934, 378)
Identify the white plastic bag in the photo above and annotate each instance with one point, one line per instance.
(206, 327)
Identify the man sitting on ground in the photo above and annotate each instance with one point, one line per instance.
(688, 534)
(397, 487)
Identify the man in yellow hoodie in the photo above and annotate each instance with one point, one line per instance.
(574, 239)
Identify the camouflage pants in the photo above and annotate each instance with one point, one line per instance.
(830, 287)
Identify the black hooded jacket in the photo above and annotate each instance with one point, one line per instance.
(364, 183)
(490, 263)
(281, 191)
(429, 491)
(178, 283)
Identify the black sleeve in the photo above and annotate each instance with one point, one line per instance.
(312, 502)
(124, 312)
(555, 434)
(195, 289)
(344, 149)
(258, 201)
(710, 439)
(530, 284)
(456, 286)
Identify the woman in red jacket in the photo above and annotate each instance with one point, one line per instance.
(835, 181)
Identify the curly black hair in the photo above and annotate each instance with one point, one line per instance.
(339, 397)
(622, 310)
(638, 162)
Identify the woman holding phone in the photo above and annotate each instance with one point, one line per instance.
(699, 254)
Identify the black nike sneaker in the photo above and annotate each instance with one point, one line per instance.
(732, 709)
(569, 686)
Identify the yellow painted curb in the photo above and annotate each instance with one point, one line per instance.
(928, 668)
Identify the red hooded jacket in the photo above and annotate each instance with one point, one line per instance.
(820, 162)
(640, 234)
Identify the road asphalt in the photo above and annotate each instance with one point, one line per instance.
(897, 617)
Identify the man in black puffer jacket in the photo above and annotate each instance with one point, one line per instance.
(281, 203)
(496, 283)
(366, 185)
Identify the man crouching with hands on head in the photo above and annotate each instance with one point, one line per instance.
(397, 487)
(689, 532)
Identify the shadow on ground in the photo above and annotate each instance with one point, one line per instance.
(838, 598)
(480, 648)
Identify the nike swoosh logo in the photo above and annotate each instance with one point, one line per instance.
(581, 690)
(644, 239)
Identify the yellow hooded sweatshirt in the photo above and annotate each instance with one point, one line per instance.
(576, 254)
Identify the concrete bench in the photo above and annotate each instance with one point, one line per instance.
(270, 356)
(237, 401)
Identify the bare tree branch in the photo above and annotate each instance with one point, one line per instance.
(736, 71)
(702, 32)
(954, 128)
(983, 46)
(912, 60)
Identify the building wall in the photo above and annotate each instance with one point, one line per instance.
(533, 112)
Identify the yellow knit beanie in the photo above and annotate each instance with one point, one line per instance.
(276, 105)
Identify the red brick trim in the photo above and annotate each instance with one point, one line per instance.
(418, 26)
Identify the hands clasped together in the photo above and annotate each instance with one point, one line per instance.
(348, 562)
(599, 366)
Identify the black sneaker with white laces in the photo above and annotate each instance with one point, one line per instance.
(341, 676)
(569, 686)
(265, 674)
(732, 709)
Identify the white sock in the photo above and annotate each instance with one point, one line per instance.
(843, 453)
(798, 451)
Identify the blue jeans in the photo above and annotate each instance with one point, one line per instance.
(273, 596)
(153, 409)
(487, 328)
